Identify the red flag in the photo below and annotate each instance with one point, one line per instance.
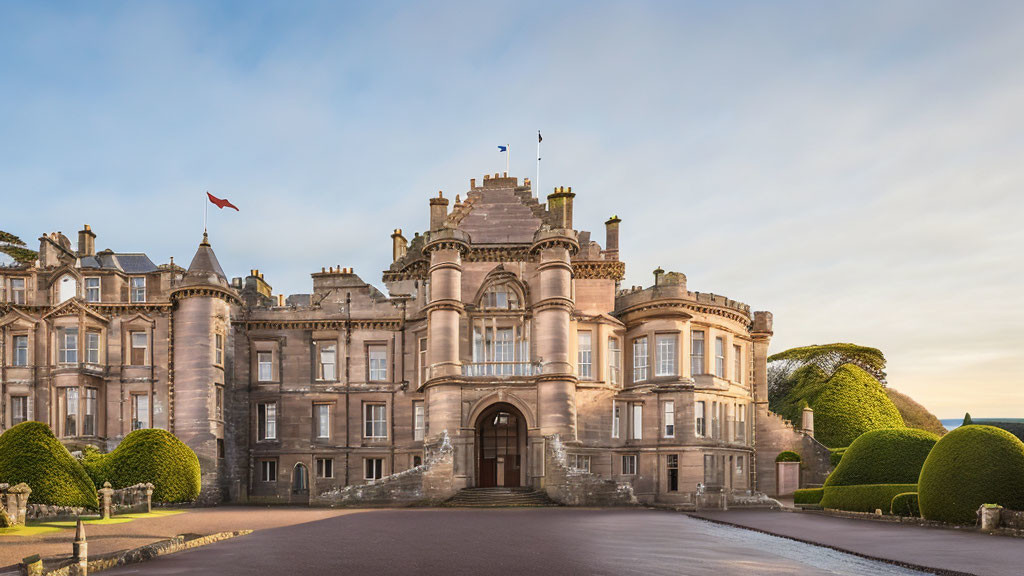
(221, 202)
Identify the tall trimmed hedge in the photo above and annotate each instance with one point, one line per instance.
(971, 466)
(30, 453)
(852, 403)
(808, 495)
(155, 456)
(864, 497)
(905, 504)
(891, 456)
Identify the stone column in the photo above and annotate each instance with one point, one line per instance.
(80, 552)
(807, 421)
(556, 386)
(149, 498)
(105, 499)
(762, 337)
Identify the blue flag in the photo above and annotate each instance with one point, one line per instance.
(502, 148)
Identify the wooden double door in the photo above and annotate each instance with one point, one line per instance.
(500, 433)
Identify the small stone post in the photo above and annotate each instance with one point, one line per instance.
(32, 565)
(807, 421)
(149, 497)
(17, 502)
(106, 493)
(80, 552)
(990, 516)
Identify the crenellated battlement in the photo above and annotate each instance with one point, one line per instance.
(672, 286)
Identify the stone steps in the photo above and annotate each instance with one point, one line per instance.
(499, 497)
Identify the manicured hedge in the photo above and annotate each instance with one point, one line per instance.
(30, 453)
(864, 497)
(787, 456)
(971, 466)
(905, 504)
(852, 403)
(154, 456)
(808, 495)
(836, 456)
(892, 456)
(914, 414)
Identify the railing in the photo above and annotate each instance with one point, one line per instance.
(501, 369)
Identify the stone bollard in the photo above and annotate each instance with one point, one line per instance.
(80, 552)
(990, 515)
(149, 498)
(19, 493)
(32, 566)
(106, 493)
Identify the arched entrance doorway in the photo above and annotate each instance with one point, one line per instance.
(501, 446)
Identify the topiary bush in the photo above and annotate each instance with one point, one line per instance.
(808, 495)
(852, 403)
(914, 414)
(156, 456)
(836, 456)
(864, 497)
(93, 462)
(968, 467)
(892, 456)
(905, 504)
(787, 456)
(30, 453)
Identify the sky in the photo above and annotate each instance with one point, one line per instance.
(855, 167)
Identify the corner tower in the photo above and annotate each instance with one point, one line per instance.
(200, 345)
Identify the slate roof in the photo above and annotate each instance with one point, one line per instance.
(129, 263)
(205, 269)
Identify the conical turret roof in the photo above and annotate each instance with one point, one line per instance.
(205, 269)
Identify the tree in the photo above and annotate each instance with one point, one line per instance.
(15, 248)
(967, 419)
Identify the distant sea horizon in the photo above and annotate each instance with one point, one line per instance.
(950, 423)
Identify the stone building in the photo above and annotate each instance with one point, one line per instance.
(504, 353)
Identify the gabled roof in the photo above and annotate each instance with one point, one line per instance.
(73, 306)
(499, 212)
(15, 315)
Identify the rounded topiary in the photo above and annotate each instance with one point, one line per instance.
(787, 456)
(30, 453)
(851, 403)
(905, 504)
(836, 456)
(968, 467)
(155, 456)
(892, 456)
(863, 497)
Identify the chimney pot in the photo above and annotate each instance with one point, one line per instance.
(472, 183)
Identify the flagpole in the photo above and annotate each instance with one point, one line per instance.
(508, 156)
(206, 209)
(538, 164)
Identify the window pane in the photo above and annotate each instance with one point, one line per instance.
(640, 359)
(666, 352)
(378, 363)
(21, 350)
(265, 361)
(696, 352)
(584, 356)
(614, 360)
(638, 421)
(720, 357)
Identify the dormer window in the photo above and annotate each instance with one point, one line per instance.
(500, 297)
(67, 288)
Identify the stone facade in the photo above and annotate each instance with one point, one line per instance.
(504, 329)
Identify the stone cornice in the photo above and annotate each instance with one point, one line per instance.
(273, 324)
(599, 270)
(676, 307)
(204, 292)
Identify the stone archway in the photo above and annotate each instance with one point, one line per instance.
(500, 447)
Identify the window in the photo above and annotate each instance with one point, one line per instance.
(417, 461)
(328, 361)
(640, 359)
(92, 347)
(21, 350)
(92, 289)
(325, 468)
(716, 432)
(378, 355)
(18, 291)
(218, 401)
(140, 411)
(714, 470)
(700, 423)
(322, 418)
(672, 467)
(268, 470)
(720, 357)
(696, 352)
(615, 419)
(373, 468)
(638, 421)
(578, 462)
(137, 287)
(265, 366)
(19, 409)
(629, 464)
(419, 421)
(139, 346)
(500, 297)
(218, 349)
(739, 466)
(67, 345)
(374, 421)
(670, 419)
(614, 361)
(220, 448)
(583, 355)
(71, 411)
(422, 359)
(91, 406)
(266, 421)
(666, 352)
(741, 422)
(737, 361)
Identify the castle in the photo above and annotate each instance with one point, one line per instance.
(504, 353)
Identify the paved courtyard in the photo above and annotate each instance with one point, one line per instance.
(511, 541)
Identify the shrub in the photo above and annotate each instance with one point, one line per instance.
(808, 495)
(30, 453)
(851, 404)
(92, 460)
(905, 504)
(892, 456)
(864, 497)
(155, 456)
(914, 414)
(968, 467)
(787, 456)
(836, 456)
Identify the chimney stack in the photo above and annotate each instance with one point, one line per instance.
(398, 245)
(560, 207)
(438, 211)
(611, 237)
(86, 242)
(658, 273)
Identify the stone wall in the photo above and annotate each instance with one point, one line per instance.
(578, 488)
(773, 435)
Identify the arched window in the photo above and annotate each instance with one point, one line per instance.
(500, 297)
(300, 479)
(501, 333)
